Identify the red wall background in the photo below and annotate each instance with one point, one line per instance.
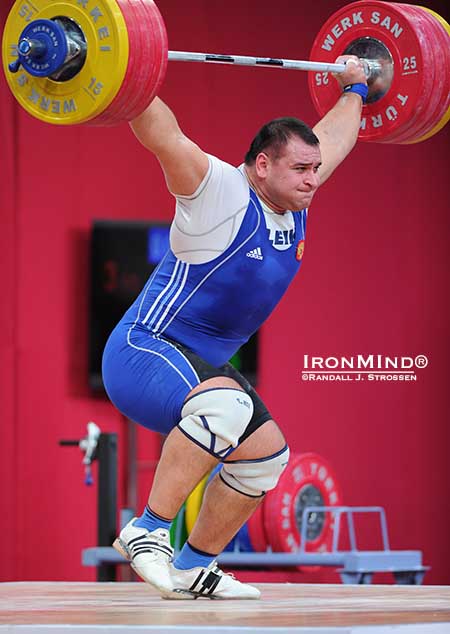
(375, 279)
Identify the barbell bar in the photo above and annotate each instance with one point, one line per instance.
(76, 63)
(36, 49)
(268, 62)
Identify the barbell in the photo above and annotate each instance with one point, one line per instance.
(101, 62)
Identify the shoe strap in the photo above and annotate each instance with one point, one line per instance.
(209, 581)
(143, 541)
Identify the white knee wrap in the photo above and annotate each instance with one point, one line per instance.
(215, 419)
(255, 477)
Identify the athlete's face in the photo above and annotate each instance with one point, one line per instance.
(291, 179)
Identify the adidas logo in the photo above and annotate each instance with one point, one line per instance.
(255, 253)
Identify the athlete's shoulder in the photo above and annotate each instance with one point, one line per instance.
(207, 222)
(228, 173)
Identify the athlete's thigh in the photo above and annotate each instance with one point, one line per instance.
(147, 378)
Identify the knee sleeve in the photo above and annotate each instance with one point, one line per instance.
(215, 419)
(255, 477)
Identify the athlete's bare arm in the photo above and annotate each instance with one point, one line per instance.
(338, 129)
(183, 162)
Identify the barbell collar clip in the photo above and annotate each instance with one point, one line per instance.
(42, 48)
(15, 66)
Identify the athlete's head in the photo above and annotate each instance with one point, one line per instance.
(283, 162)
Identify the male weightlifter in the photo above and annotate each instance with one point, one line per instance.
(234, 249)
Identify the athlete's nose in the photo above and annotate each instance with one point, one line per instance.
(312, 179)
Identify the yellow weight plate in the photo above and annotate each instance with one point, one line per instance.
(193, 504)
(92, 90)
(445, 119)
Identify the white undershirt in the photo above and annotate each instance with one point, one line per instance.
(207, 222)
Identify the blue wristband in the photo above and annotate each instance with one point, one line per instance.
(361, 89)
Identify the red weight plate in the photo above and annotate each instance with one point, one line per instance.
(152, 72)
(439, 98)
(386, 23)
(148, 59)
(422, 109)
(114, 113)
(162, 49)
(147, 62)
(145, 72)
(144, 76)
(148, 72)
(428, 102)
(256, 530)
(144, 63)
(307, 480)
(443, 115)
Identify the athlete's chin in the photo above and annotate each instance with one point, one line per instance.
(302, 201)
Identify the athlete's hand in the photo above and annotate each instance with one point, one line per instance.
(354, 72)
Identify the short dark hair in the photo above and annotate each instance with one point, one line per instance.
(276, 133)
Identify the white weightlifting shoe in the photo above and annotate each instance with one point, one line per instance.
(208, 583)
(149, 554)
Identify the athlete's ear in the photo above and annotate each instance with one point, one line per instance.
(262, 164)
